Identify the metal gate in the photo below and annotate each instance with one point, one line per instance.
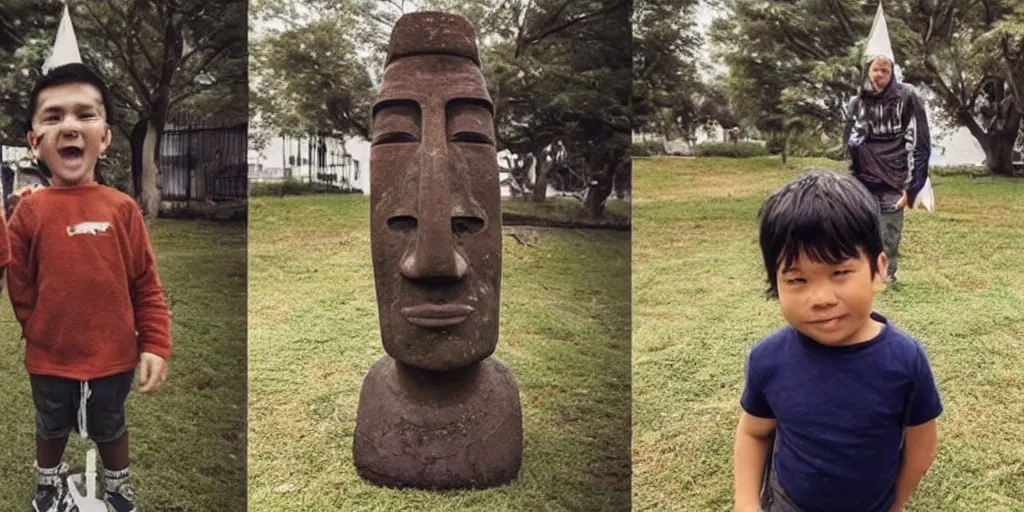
(203, 162)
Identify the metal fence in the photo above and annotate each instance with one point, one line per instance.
(203, 161)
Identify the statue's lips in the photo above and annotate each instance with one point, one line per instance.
(436, 315)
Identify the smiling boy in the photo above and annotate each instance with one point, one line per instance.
(849, 398)
(84, 287)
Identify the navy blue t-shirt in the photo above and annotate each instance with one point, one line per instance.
(840, 413)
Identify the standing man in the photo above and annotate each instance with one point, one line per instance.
(888, 139)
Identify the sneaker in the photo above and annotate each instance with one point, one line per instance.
(52, 494)
(121, 499)
(50, 498)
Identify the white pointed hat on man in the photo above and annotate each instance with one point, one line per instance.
(65, 46)
(879, 44)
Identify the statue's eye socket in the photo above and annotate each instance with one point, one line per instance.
(394, 138)
(472, 137)
(402, 222)
(467, 225)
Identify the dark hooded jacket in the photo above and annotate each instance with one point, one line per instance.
(888, 139)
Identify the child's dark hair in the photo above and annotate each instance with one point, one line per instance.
(828, 215)
(69, 74)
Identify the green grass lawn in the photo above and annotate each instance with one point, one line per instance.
(188, 441)
(313, 333)
(698, 307)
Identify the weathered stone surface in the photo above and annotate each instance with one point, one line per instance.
(437, 411)
(438, 430)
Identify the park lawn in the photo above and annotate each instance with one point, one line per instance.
(313, 333)
(188, 441)
(699, 306)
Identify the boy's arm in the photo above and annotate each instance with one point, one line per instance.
(20, 271)
(921, 445)
(753, 442)
(152, 318)
(753, 436)
(921, 441)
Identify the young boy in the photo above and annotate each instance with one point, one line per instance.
(848, 397)
(84, 287)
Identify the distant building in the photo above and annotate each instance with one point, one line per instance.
(344, 163)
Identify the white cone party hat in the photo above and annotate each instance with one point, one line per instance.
(65, 47)
(878, 39)
(879, 44)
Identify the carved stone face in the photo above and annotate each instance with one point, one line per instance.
(435, 213)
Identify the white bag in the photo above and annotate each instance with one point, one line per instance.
(926, 197)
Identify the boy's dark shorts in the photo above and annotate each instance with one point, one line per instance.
(57, 401)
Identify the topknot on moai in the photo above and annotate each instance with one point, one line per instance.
(433, 33)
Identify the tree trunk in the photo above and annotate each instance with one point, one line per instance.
(785, 147)
(149, 195)
(999, 153)
(136, 140)
(599, 190)
(540, 183)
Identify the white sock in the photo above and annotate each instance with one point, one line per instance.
(49, 476)
(114, 480)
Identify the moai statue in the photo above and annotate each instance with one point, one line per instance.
(436, 412)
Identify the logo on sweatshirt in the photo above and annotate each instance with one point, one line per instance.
(88, 228)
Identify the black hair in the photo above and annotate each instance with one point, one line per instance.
(69, 74)
(828, 215)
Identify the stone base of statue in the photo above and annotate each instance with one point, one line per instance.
(459, 429)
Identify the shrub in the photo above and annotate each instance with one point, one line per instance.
(648, 148)
(959, 170)
(720, 149)
(290, 186)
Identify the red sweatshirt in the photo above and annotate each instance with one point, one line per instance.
(83, 280)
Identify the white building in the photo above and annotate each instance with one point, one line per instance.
(303, 159)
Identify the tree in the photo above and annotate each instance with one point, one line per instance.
(793, 66)
(27, 29)
(308, 79)
(164, 55)
(971, 54)
(667, 88)
(557, 71)
(580, 87)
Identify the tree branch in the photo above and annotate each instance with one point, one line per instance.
(526, 41)
(202, 66)
(844, 20)
(962, 113)
(1011, 75)
(131, 32)
(110, 41)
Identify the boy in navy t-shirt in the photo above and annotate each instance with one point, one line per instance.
(849, 398)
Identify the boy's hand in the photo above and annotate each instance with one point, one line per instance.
(152, 372)
(903, 200)
(14, 197)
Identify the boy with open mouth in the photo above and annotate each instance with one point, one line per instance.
(84, 287)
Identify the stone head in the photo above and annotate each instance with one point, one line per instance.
(435, 197)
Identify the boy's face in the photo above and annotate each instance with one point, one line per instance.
(831, 303)
(70, 132)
